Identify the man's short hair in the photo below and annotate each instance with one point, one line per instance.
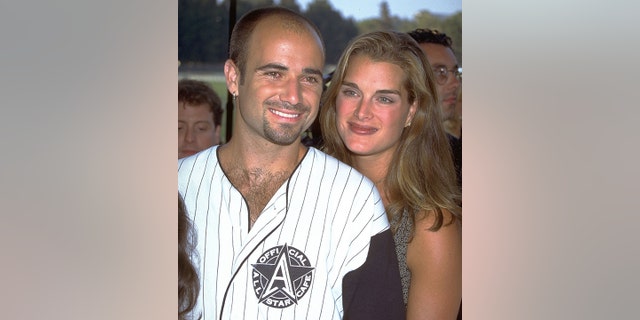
(195, 92)
(243, 29)
(431, 36)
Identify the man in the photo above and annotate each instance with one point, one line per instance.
(199, 117)
(284, 230)
(437, 47)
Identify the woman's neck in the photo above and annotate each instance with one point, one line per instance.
(375, 168)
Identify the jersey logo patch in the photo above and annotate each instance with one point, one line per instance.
(281, 276)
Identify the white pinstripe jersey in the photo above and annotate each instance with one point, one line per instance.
(290, 265)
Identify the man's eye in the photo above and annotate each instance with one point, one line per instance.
(312, 80)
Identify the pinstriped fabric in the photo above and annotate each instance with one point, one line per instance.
(325, 213)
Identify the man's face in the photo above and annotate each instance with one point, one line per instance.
(280, 92)
(441, 56)
(196, 130)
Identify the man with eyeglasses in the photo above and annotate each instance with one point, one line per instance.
(437, 46)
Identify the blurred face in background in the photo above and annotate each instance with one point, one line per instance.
(440, 57)
(196, 129)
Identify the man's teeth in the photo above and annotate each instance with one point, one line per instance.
(286, 115)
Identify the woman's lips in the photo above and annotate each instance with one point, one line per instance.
(360, 129)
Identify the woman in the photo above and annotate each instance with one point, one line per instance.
(188, 283)
(380, 115)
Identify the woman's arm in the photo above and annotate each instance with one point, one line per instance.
(435, 262)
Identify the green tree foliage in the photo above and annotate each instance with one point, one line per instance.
(336, 30)
(424, 19)
(386, 20)
(202, 31)
(290, 4)
(450, 25)
(203, 26)
(244, 6)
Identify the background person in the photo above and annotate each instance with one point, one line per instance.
(448, 75)
(454, 125)
(199, 117)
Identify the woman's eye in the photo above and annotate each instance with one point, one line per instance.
(385, 100)
(349, 93)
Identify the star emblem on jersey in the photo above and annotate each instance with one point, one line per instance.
(281, 276)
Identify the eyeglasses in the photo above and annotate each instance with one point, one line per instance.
(442, 74)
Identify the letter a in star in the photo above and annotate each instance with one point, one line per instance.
(277, 279)
(280, 279)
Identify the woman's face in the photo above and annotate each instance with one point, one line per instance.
(372, 107)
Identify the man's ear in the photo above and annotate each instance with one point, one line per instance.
(232, 76)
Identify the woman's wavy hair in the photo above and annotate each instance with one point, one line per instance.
(421, 178)
(188, 281)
